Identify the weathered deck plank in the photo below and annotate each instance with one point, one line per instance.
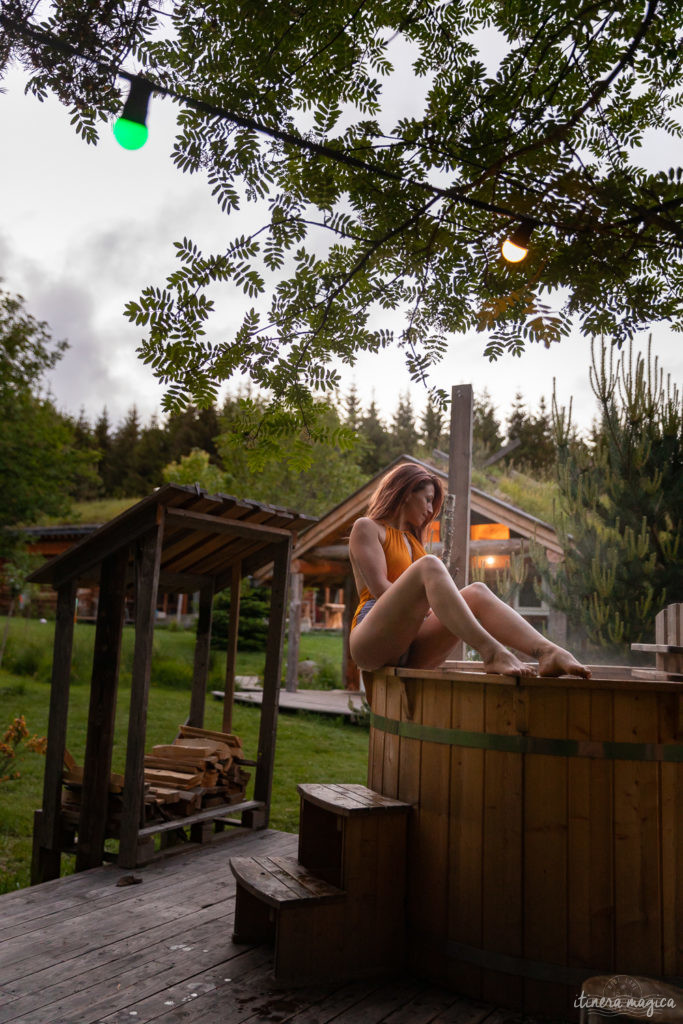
(82, 949)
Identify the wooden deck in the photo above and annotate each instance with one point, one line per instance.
(82, 949)
(346, 703)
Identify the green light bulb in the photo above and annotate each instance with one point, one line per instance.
(130, 134)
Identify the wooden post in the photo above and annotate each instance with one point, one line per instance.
(231, 651)
(147, 561)
(263, 783)
(47, 839)
(202, 652)
(102, 713)
(350, 673)
(296, 589)
(459, 484)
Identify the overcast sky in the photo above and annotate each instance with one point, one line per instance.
(84, 228)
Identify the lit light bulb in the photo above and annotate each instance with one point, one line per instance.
(516, 246)
(513, 253)
(490, 560)
(130, 130)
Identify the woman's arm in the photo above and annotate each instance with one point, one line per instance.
(367, 555)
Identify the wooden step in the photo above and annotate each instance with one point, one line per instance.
(350, 799)
(281, 880)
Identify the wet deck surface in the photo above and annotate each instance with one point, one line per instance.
(82, 949)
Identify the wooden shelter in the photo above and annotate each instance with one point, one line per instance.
(177, 539)
(321, 557)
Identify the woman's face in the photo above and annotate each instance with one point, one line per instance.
(418, 507)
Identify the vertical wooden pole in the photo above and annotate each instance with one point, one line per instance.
(202, 653)
(102, 713)
(459, 483)
(296, 589)
(350, 673)
(231, 652)
(263, 783)
(147, 561)
(47, 839)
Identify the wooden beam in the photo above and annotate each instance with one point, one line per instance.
(182, 582)
(334, 551)
(263, 783)
(102, 713)
(47, 838)
(202, 653)
(294, 635)
(479, 548)
(214, 524)
(147, 561)
(460, 480)
(322, 570)
(77, 562)
(350, 674)
(459, 484)
(231, 651)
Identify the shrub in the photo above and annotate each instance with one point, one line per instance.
(253, 624)
(23, 659)
(172, 673)
(328, 676)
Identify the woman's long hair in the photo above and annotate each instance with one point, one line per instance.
(396, 486)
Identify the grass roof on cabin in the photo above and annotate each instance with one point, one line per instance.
(525, 492)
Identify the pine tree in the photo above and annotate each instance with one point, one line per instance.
(102, 437)
(90, 486)
(123, 479)
(487, 436)
(431, 426)
(379, 442)
(152, 454)
(404, 435)
(536, 452)
(352, 408)
(621, 498)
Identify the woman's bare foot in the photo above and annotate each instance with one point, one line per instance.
(498, 660)
(555, 661)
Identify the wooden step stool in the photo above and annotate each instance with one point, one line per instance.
(278, 901)
(339, 911)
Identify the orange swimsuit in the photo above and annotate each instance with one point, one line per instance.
(398, 559)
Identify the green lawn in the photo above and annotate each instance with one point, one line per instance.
(310, 748)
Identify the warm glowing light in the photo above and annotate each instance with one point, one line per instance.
(513, 253)
(489, 531)
(516, 246)
(490, 560)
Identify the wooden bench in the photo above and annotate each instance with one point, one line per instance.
(668, 649)
(338, 911)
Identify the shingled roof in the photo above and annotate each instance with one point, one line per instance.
(204, 536)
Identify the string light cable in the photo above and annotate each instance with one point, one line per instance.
(131, 131)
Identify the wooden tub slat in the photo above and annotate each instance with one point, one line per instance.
(465, 868)
(546, 840)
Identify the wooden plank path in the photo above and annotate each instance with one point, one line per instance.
(84, 950)
(322, 702)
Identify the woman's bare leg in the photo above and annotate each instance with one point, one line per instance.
(507, 626)
(399, 616)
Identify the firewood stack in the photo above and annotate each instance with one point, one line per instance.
(200, 769)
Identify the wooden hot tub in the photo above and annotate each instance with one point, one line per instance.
(546, 843)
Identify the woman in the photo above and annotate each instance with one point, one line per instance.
(410, 611)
